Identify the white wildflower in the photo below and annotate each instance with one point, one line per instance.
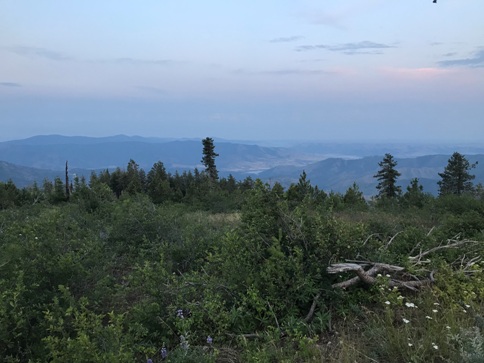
(435, 310)
(410, 344)
(406, 321)
(410, 305)
(387, 302)
(435, 346)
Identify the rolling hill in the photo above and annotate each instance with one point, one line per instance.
(331, 166)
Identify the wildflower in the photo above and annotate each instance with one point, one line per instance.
(406, 321)
(379, 275)
(387, 275)
(387, 302)
(435, 311)
(410, 305)
(428, 317)
(436, 304)
(435, 346)
(400, 297)
(184, 342)
(149, 361)
(410, 344)
(464, 310)
(164, 353)
(467, 306)
(209, 340)
(447, 327)
(179, 314)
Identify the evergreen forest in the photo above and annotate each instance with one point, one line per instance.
(134, 265)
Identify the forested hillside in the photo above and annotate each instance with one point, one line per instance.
(330, 166)
(133, 265)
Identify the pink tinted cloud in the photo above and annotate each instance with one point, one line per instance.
(425, 73)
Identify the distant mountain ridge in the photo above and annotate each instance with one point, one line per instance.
(338, 174)
(82, 140)
(51, 152)
(330, 165)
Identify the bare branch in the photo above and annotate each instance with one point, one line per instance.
(451, 243)
(369, 237)
(391, 239)
(309, 317)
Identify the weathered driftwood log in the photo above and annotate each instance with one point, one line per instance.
(368, 277)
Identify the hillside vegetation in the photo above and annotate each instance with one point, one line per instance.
(134, 265)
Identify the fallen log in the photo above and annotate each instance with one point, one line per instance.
(368, 277)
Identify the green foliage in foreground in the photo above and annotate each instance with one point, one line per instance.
(117, 277)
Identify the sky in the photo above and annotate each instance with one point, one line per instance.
(345, 70)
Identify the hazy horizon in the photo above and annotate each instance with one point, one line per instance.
(276, 142)
(356, 71)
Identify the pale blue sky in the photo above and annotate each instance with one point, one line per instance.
(339, 70)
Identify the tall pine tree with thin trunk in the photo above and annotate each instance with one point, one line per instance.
(208, 159)
(387, 178)
(456, 178)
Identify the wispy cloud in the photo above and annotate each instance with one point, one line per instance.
(283, 72)
(288, 72)
(36, 52)
(10, 84)
(286, 39)
(475, 61)
(135, 61)
(416, 73)
(364, 47)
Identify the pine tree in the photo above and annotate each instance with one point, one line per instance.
(158, 185)
(208, 159)
(456, 178)
(297, 192)
(414, 196)
(387, 177)
(354, 197)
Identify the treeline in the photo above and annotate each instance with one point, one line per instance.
(198, 189)
(204, 189)
(131, 266)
